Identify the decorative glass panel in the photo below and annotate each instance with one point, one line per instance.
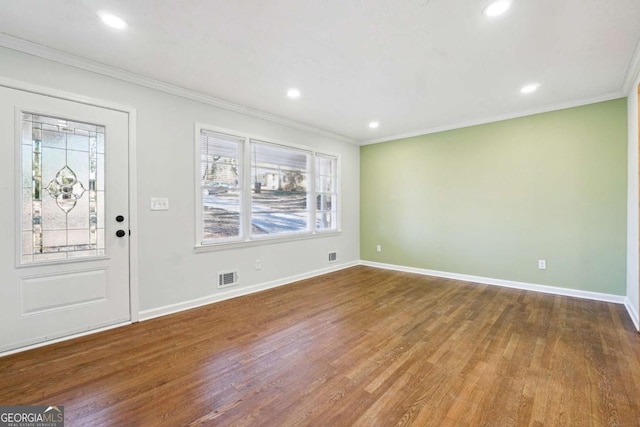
(62, 189)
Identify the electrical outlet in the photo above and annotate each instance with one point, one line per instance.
(542, 264)
(258, 264)
(159, 204)
(378, 248)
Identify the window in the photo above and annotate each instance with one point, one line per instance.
(255, 189)
(326, 192)
(221, 186)
(279, 203)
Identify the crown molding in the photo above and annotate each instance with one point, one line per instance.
(51, 54)
(482, 121)
(633, 71)
(55, 55)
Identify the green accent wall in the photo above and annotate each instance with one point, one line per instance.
(491, 200)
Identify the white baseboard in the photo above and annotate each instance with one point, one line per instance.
(63, 338)
(209, 299)
(233, 293)
(597, 296)
(632, 313)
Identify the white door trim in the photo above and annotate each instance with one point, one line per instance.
(134, 307)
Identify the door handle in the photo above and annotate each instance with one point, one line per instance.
(120, 233)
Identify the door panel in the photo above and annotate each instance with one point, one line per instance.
(63, 182)
(62, 291)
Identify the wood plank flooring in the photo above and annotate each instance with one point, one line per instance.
(359, 347)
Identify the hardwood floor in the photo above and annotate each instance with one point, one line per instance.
(363, 347)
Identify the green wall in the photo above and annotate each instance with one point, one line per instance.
(491, 200)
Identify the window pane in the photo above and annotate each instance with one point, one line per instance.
(325, 184)
(264, 223)
(279, 198)
(325, 220)
(325, 202)
(220, 169)
(325, 165)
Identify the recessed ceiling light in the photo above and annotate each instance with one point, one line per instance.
(497, 8)
(112, 20)
(530, 88)
(374, 125)
(293, 93)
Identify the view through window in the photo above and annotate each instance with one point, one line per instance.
(221, 171)
(282, 191)
(279, 201)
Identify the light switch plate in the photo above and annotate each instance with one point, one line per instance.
(159, 204)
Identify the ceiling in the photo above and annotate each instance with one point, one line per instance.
(412, 65)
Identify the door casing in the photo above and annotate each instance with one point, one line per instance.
(133, 215)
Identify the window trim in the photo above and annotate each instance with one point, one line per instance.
(246, 239)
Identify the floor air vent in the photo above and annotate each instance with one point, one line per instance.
(333, 256)
(228, 278)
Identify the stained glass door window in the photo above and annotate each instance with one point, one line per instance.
(62, 189)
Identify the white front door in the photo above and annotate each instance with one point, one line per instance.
(64, 239)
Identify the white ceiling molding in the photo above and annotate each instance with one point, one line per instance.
(409, 65)
(34, 49)
(106, 70)
(633, 72)
(515, 115)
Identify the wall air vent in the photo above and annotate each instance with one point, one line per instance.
(228, 278)
(333, 256)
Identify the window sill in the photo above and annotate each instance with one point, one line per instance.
(212, 247)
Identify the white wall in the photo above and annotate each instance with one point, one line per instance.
(633, 300)
(170, 272)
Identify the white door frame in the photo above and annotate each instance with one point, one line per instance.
(133, 207)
